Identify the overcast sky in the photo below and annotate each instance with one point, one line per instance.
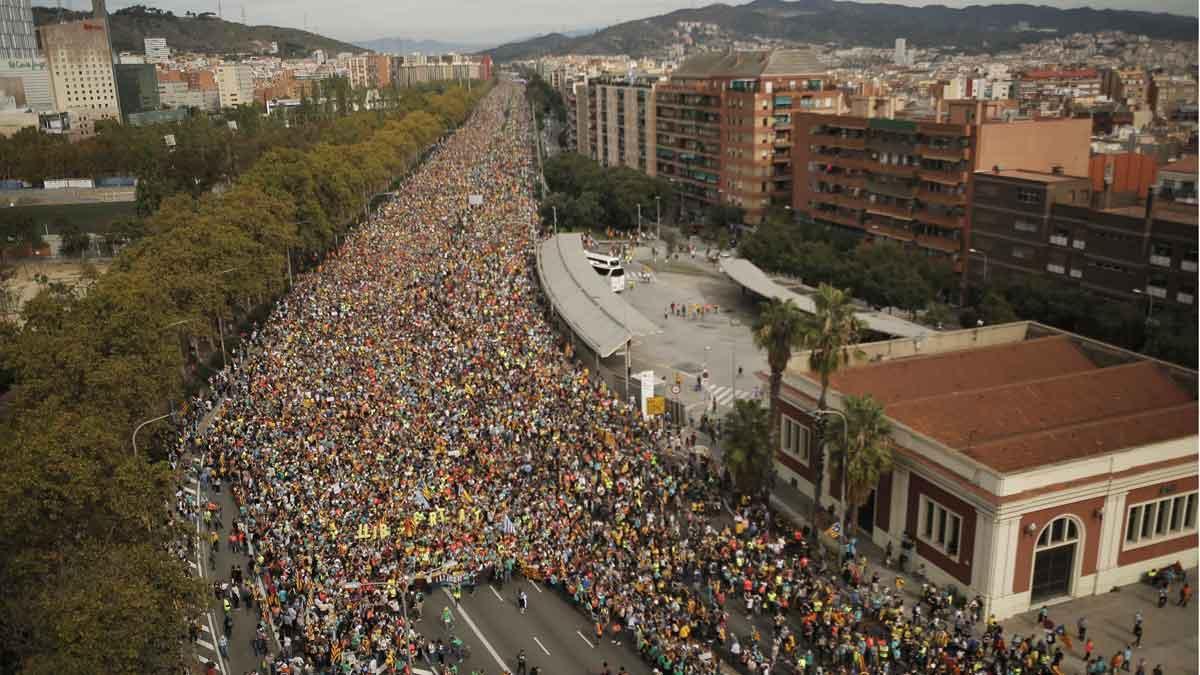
(492, 21)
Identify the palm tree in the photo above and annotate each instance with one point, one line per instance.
(779, 329)
(864, 452)
(832, 330)
(747, 450)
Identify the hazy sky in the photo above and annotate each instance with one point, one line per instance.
(492, 21)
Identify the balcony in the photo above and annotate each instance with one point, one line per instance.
(846, 142)
(891, 211)
(952, 177)
(904, 171)
(891, 232)
(845, 180)
(901, 190)
(949, 153)
(781, 141)
(946, 198)
(839, 218)
(940, 244)
(942, 219)
(842, 199)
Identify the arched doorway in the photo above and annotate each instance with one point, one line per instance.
(1054, 559)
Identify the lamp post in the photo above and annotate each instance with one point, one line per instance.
(138, 428)
(821, 412)
(1149, 303)
(658, 216)
(985, 261)
(221, 320)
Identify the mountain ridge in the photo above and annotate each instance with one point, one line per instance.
(973, 28)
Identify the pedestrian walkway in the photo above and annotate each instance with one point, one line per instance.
(725, 396)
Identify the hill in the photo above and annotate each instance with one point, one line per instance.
(203, 33)
(974, 29)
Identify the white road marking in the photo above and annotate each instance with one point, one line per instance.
(194, 564)
(535, 586)
(205, 628)
(479, 634)
(726, 395)
(589, 642)
(495, 593)
(189, 489)
(220, 659)
(539, 643)
(207, 645)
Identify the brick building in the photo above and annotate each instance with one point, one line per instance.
(1030, 465)
(909, 179)
(724, 126)
(1043, 224)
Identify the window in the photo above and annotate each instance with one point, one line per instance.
(794, 438)
(1025, 226)
(1160, 519)
(1062, 531)
(1027, 196)
(1022, 252)
(939, 527)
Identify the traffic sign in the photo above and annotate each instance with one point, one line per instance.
(675, 389)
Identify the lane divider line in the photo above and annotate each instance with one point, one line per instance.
(495, 593)
(535, 586)
(582, 637)
(479, 634)
(539, 643)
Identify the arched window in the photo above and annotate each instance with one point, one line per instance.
(1062, 530)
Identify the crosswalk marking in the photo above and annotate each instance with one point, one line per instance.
(726, 395)
(207, 645)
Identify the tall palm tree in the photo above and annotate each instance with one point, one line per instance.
(864, 451)
(747, 452)
(834, 328)
(779, 329)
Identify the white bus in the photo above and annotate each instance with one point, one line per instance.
(608, 266)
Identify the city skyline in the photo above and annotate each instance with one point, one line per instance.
(489, 24)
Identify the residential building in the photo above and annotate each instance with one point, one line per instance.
(900, 55)
(724, 126)
(17, 37)
(1027, 223)
(137, 88)
(1129, 86)
(617, 122)
(174, 92)
(415, 69)
(1047, 92)
(908, 180)
(157, 50)
(1170, 93)
(1179, 180)
(80, 58)
(1029, 465)
(33, 74)
(235, 83)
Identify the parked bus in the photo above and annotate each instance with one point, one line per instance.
(608, 266)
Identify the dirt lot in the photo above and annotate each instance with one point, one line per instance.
(31, 274)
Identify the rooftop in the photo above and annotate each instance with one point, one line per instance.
(1182, 165)
(751, 64)
(1032, 176)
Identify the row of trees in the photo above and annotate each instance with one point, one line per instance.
(586, 195)
(91, 584)
(545, 99)
(861, 446)
(889, 275)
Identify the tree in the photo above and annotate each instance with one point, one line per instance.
(778, 330)
(829, 337)
(995, 309)
(74, 240)
(748, 445)
(864, 451)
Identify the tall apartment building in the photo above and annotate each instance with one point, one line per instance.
(80, 58)
(1028, 223)
(1047, 91)
(616, 122)
(1168, 93)
(1129, 86)
(908, 180)
(17, 37)
(157, 50)
(724, 126)
(137, 88)
(235, 84)
(415, 69)
(900, 55)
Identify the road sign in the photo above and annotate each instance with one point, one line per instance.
(656, 405)
(675, 389)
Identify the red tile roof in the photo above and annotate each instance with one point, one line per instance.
(1098, 437)
(906, 379)
(1182, 165)
(969, 418)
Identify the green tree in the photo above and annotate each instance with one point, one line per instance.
(779, 329)
(748, 445)
(995, 309)
(830, 338)
(74, 240)
(864, 451)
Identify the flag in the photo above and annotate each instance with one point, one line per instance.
(420, 500)
(507, 527)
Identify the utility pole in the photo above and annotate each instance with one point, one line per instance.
(639, 211)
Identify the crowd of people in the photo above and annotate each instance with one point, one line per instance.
(408, 417)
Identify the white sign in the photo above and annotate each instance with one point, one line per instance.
(475, 200)
(647, 378)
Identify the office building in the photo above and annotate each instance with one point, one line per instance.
(1027, 223)
(900, 55)
(724, 126)
(157, 50)
(33, 75)
(1029, 465)
(137, 88)
(908, 180)
(17, 37)
(80, 59)
(235, 84)
(616, 122)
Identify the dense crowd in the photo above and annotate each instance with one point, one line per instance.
(408, 413)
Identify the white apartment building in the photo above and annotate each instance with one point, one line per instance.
(900, 56)
(235, 84)
(157, 50)
(81, 72)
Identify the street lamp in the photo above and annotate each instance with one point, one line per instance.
(1150, 304)
(221, 320)
(985, 261)
(658, 215)
(821, 412)
(139, 428)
